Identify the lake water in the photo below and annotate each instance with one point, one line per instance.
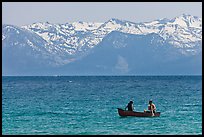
(88, 104)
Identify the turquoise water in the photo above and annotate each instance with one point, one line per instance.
(88, 105)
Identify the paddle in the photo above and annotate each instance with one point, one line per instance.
(125, 108)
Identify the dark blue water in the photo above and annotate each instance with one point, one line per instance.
(88, 105)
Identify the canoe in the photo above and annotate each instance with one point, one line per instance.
(123, 113)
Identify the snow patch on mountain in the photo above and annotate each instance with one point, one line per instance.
(84, 26)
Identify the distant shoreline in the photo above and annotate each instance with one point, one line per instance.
(106, 76)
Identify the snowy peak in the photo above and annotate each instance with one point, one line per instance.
(117, 21)
(186, 20)
(39, 25)
(163, 21)
(85, 26)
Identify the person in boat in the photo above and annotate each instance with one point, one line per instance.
(151, 107)
(129, 106)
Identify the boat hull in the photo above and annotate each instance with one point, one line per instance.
(124, 113)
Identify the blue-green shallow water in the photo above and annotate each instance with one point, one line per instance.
(88, 105)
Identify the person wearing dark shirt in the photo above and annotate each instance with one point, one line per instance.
(130, 106)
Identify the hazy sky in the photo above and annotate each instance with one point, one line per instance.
(22, 13)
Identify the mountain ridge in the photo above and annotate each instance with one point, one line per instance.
(58, 45)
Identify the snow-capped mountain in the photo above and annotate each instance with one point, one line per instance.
(61, 44)
(182, 32)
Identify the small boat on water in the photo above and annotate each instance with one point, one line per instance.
(122, 112)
